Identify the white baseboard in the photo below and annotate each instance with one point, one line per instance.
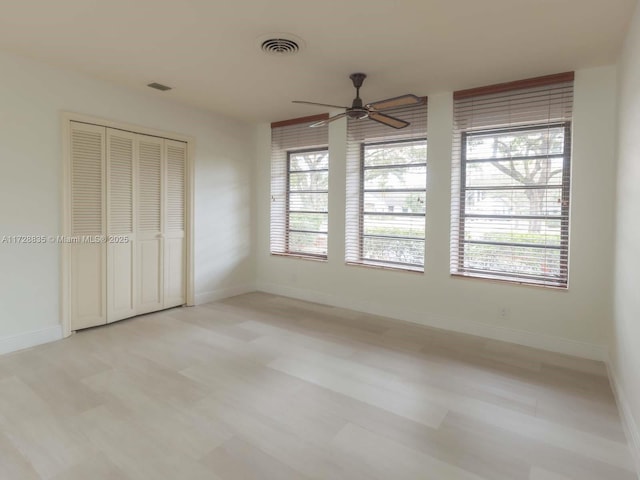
(629, 423)
(494, 332)
(21, 341)
(222, 293)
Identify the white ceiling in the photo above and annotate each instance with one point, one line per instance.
(207, 49)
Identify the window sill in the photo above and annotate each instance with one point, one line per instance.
(376, 266)
(502, 281)
(298, 256)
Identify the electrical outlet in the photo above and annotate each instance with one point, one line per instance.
(504, 313)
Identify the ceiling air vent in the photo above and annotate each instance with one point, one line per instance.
(280, 44)
(159, 86)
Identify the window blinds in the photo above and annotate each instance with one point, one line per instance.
(299, 187)
(511, 181)
(386, 191)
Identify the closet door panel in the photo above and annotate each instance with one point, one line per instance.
(149, 284)
(120, 286)
(149, 194)
(87, 251)
(174, 232)
(121, 150)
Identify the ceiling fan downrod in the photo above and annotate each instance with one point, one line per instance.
(357, 79)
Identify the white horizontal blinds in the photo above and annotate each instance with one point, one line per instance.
(87, 191)
(176, 160)
(511, 180)
(120, 151)
(386, 190)
(299, 187)
(149, 185)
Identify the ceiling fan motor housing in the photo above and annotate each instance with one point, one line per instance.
(357, 113)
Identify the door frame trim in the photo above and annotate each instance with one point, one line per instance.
(65, 271)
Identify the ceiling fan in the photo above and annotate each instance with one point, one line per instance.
(358, 111)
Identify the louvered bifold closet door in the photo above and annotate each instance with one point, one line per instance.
(149, 251)
(87, 251)
(174, 227)
(121, 151)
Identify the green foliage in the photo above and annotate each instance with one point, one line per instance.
(410, 232)
(536, 238)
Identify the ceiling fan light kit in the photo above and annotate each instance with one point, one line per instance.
(372, 111)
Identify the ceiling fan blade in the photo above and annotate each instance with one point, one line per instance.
(388, 120)
(318, 104)
(322, 123)
(401, 101)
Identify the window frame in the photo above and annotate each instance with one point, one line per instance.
(361, 213)
(564, 218)
(288, 191)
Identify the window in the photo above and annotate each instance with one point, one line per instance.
(511, 181)
(299, 188)
(386, 191)
(307, 202)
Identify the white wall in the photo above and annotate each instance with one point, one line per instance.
(574, 321)
(625, 345)
(32, 95)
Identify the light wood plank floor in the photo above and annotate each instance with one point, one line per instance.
(264, 387)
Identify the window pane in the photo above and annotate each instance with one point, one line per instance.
(530, 172)
(394, 226)
(309, 181)
(405, 202)
(540, 232)
(315, 222)
(309, 160)
(512, 259)
(308, 202)
(514, 202)
(519, 143)
(394, 178)
(394, 250)
(309, 243)
(393, 202)
(395, 153)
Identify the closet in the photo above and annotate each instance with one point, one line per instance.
(127, 245)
